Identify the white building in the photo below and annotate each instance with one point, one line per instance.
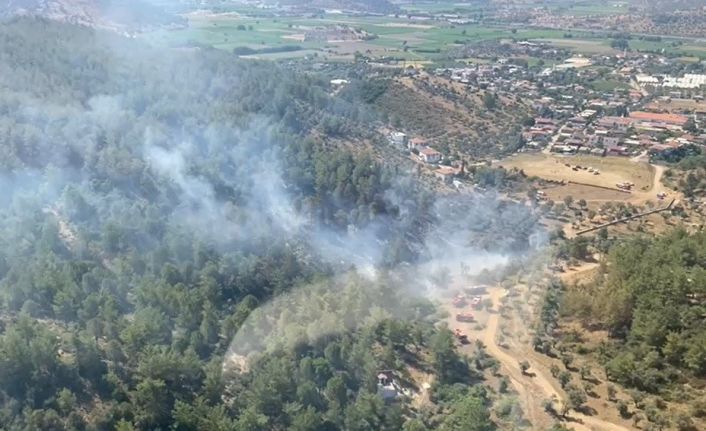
(398, 138)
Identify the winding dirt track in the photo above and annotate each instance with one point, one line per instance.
(640, 197)
(535, 386)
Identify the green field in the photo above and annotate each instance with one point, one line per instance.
(608, 85)
(394, 37)
(568, 7)
(596, 8)
(688, 49)
(443, 7)
(586, 7)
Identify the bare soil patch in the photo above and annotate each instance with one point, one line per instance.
(678, 105)
(613, 170)
(506, 331)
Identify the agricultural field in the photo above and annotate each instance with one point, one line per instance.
(389, 36)
(400, 38)
(686, 49)
(443, 7)
(590, 8)
(582, 46)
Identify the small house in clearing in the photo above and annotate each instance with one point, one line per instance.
(429, 155)
(446, 173)
(398, 139)
(387, 389)
(416, 144)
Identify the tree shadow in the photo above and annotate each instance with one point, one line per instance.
(569, 418)
(587, 410)
(593, 380)
(592, 394)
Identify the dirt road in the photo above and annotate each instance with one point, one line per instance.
(640, 197)
(530, 393)
(534, 387)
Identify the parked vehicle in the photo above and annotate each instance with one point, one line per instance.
(464, 317)
(459, 301)
(460, 336)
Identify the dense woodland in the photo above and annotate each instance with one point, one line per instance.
(649, 296)
(152, 200)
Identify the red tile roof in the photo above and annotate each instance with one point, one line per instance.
(678, 120)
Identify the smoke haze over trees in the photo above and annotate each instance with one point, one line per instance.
(151, 200)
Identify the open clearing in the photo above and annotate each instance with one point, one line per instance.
(582, 46)
(587, 193)
(612, 169)
(678, 105)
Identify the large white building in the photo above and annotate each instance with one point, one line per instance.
(689, 80)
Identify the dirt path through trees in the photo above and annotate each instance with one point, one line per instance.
(533, 387)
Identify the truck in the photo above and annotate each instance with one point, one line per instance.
(464, 317)
(477, 289)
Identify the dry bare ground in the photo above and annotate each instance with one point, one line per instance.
(537, 385)
(646, 177)
(612, 169)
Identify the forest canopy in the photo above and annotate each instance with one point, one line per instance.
(152, 200)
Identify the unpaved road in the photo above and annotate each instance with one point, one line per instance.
(535, 384)
(535, 387)
(640, 197)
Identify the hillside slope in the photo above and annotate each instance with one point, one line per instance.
(112, 14)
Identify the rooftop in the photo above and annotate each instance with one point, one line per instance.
(429, 151)
(679, 120)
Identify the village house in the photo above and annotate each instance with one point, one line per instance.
(614, 122)
(665, 147)
(588, 114)
(446, 173)
(611, 142)
(616, 150)
(429, 155)
(578, 122)
(387, 389)
(398, 139)
(564, 149)
(416, 144)
(658, 118)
